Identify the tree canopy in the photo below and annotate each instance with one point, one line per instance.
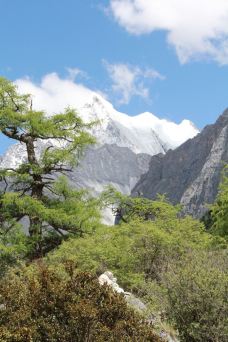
(52, 144)
(127, 209)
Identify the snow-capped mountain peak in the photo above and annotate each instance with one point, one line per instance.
(143, 133)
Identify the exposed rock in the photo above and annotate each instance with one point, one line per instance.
(109, 279)
(110, 164)
(190, 174)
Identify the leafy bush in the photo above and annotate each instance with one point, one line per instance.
(38, 304)
(127, 209)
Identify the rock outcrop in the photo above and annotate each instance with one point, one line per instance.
(109, 279)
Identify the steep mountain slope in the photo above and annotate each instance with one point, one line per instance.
(191, 173)
(110, 164)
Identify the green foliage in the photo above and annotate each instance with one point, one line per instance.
(138, 251)
(13, 248)
(69, 212)
(219, 210)
(31, 189)
(151, 258)
(197, 288)
(130, 208)
(37, 304)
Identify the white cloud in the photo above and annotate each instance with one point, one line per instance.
(73, 73)
(129, 81)
(196, 28)
(54, 94)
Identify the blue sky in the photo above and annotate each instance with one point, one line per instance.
(178, 71)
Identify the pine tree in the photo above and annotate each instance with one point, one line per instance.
(34, 189)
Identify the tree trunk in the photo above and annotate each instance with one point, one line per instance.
(35, 228)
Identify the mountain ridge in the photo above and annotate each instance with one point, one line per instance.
(143, 133)
(190, 174)
(139, 132)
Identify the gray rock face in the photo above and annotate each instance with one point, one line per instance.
(189, 174)
(110, 164)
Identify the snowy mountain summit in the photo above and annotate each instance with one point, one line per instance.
(144, 133)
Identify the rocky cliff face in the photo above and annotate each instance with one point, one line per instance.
(110, 164)
(189, 174)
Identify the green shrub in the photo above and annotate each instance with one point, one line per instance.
(162, 261)
(197, 289)
(134, 252)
